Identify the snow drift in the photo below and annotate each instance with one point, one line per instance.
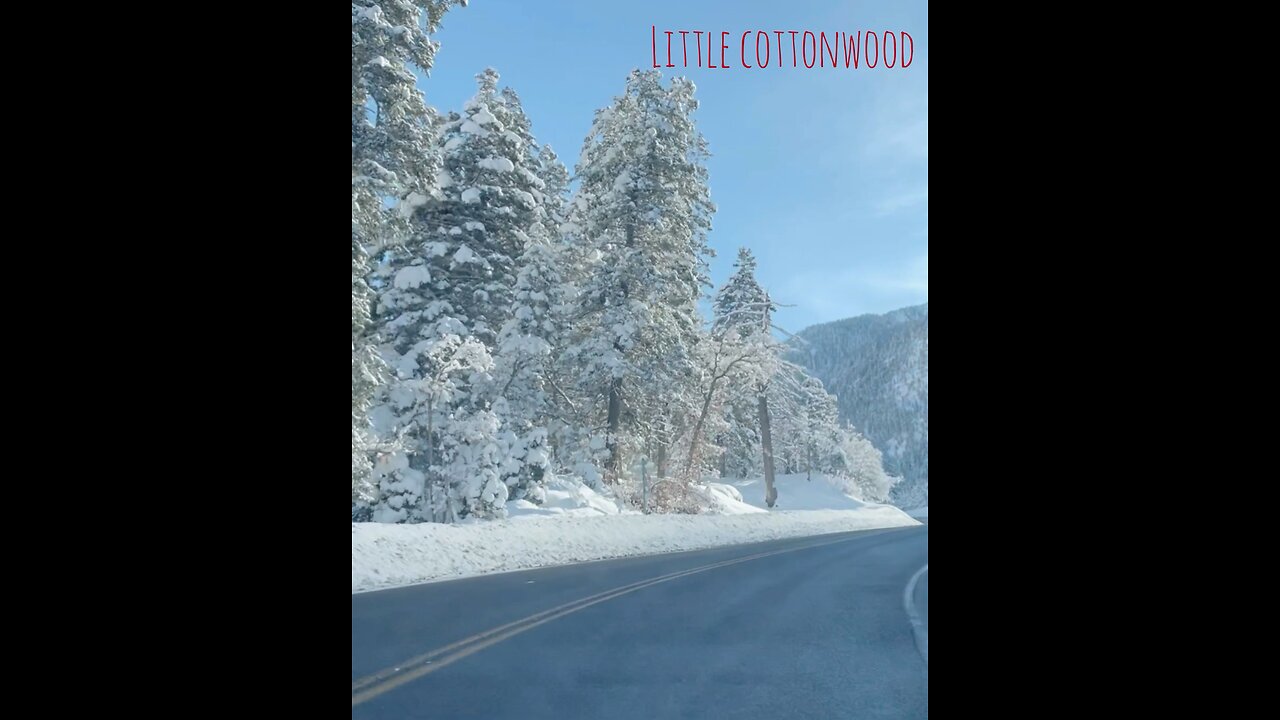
(580, 526)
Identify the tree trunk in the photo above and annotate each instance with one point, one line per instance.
(430, 431)
(613, 466)
(766, 444)
(696, 436)
(428, 482)
(614, 463)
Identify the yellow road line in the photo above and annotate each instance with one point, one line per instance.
(372, 686)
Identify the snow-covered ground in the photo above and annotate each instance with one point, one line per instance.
(920, 512)
(797, 492)
(565, 498)
(578, 525)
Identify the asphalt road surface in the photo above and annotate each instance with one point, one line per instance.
(825, 627)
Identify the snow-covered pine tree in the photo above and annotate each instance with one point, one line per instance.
(821, 429)
(741, 304)
(367, 372)
(805, 432)
(644, 210)
(495, 195)
(556, 191)
(743, 312)
(478, 270)
(523, 355)
(428, 409)
(534, 325)
(390, 158)
(490, 199)
(575, 445)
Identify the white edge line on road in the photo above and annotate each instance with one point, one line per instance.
(917, 625)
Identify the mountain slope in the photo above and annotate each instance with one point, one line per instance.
(878, 367)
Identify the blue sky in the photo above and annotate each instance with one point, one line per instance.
(823, 173)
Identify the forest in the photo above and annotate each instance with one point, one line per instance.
(513, 320)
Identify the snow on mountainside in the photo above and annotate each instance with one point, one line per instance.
(878, 366)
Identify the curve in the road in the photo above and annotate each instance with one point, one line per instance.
(388, 679)
(918, 624)
(805, 628)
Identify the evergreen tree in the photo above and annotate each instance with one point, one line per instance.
(736, 359)
(432, 476)
(496, 191)
(743, 312)
(742, 304)
(820, 431)
(366, 374)
(391, 158)
(480, 269)
(643, 211)
(523, 357)
(556, 187)
(536, 322)
(490, 200)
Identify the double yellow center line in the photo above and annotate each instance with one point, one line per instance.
(371, 686)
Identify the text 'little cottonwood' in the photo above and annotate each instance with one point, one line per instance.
(761, 49)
